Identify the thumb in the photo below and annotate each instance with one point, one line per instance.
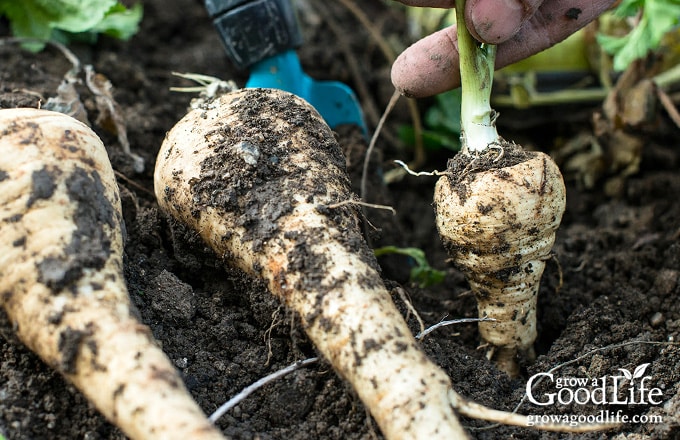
(496, 21)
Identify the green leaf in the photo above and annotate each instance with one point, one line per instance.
(627, 49)
(442, 122)
(445, 114)
(628, 8)
(432, 140)
(658, 18)
(25, 20)
(53, 19)
(120, 22)
(426, 276)
(661, 16)
(73, 15)
(422, 273)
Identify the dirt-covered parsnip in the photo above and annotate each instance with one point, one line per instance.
(61, 277)
(497, 210)
(260, 176)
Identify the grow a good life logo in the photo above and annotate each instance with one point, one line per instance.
(627, 388)
(624, 389)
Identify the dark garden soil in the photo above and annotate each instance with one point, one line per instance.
(608, 300)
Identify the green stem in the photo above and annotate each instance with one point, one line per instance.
(476, 78)
(668, 78)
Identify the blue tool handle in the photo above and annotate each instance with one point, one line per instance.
(253, 30)
(335, 101)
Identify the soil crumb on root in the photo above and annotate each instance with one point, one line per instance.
(90, 246)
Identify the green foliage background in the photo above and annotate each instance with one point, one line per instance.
(66, 20)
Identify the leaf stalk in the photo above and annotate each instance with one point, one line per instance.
(478, 119)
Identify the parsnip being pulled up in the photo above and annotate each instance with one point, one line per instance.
(260, 176)
(61, 277)
(497, 210)
(498, 224)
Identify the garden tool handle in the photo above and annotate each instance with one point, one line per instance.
(253, 30)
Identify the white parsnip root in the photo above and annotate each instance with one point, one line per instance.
(260, 176)
(497, 209)
(61, 277)
(498, 225)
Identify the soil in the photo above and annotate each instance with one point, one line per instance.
(608, 300)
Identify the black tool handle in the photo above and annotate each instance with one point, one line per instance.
(253, 30)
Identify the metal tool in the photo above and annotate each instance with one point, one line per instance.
(262, 35)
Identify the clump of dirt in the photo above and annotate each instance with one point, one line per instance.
(462, 168)
(608, 301)
(90, 246)
(505, 154)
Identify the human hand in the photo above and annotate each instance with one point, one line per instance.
(520, 28)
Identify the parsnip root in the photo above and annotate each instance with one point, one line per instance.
(61, 277)
(257, 174)
(498, 222)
